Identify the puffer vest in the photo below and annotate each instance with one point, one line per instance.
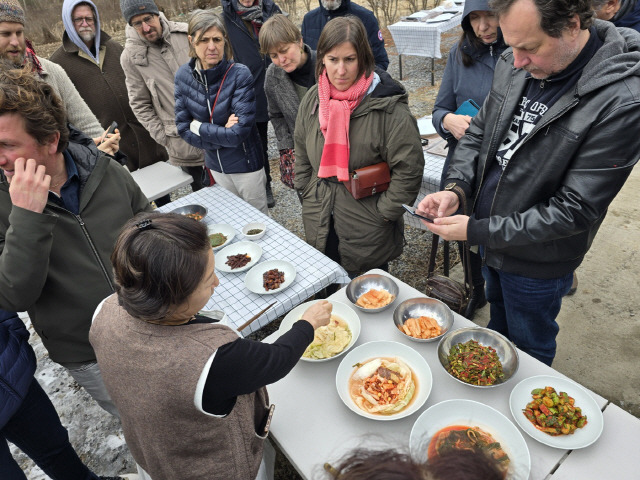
(151, 372)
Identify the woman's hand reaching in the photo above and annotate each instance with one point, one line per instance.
(318, 314)
(456, 124)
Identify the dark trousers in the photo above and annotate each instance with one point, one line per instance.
(262, 130)
(35, 429)
(196, 173)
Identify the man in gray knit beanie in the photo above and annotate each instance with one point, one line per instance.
(131, 8)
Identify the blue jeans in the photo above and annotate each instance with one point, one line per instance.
(35, 429)
(524, 310)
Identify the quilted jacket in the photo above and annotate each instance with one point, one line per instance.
(17, 364)
(228, 150)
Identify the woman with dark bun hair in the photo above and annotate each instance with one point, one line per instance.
(190, 391)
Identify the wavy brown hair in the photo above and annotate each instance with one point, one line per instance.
(23, 93)
(158, 261)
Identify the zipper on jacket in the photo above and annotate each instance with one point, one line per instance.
(219, 161)
(244, 147)
(537, 128)
(91, 244)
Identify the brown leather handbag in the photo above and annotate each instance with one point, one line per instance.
(367, 181)
(441, 287)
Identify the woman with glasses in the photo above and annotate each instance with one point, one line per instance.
(216, 110)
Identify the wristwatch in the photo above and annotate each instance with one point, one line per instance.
(453, 187)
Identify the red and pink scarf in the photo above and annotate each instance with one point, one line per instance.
(335, 111)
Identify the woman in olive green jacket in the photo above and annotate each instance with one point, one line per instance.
(377, 127)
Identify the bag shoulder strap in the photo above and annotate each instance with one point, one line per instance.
(219, 90)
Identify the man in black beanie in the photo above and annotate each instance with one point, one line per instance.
(154, 50)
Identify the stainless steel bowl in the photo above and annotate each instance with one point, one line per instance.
(428, 307)
(191, 209)
(506, 350)
(364, 283)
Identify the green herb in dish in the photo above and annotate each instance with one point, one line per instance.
(217, 239)
(254, 231)
(474, 363)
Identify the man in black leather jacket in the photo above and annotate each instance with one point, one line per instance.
(543, 159)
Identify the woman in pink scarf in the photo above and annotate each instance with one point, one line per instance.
(353, 118)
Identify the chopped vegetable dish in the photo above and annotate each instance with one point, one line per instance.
(254, 231)
(217, 239)
(554, 414)
(475, 364)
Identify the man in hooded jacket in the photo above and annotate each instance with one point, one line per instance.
(542, 160)
(92, 61)
(315, 20)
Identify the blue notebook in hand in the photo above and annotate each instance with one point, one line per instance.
(468, 108)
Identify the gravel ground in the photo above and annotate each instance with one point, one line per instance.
(95, 434)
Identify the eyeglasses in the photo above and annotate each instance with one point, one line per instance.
(138, 25)
(80, 20)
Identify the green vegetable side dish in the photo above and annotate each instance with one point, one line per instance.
(217, 239)
(254, 231)
(475, 364)
(554, 414)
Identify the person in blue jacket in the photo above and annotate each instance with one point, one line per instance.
(28, 419)
(216, 110)
(243, 19)
(622, 13)
(468, 76)
(315, 20)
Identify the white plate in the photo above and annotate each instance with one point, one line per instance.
(371, 350)
(223, 228)
(253, 280)
(250, 248)
(472, 414)
(583, 437)
(339, 309)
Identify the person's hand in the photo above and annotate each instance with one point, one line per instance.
(439, 204)
(29, 186)
(456, 124)
(450, 228)
(232, 121)
(109, 144)
(318, 314)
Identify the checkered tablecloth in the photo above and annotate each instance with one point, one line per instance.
(433, 165)
(421, 38)
(314, 271)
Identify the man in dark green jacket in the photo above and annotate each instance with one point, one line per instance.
(62, 203)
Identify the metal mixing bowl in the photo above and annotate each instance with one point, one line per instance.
(364, 283)
(191, 209)
(428, 307)
(506, 350)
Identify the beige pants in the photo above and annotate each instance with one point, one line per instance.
(248, 186)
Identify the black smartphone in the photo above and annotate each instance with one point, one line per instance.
(412, 211)
(110, 130)
(266, 423)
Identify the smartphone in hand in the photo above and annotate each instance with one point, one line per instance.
(412, 211)
(110, 130)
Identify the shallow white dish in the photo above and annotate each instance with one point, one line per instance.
(253, 280)
(371, 350)
(583, 437)
(252, 226)
(339, 309)
(223, 228)
(252, 249)
(472, 414)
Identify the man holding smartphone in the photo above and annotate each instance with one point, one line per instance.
(543, 160)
